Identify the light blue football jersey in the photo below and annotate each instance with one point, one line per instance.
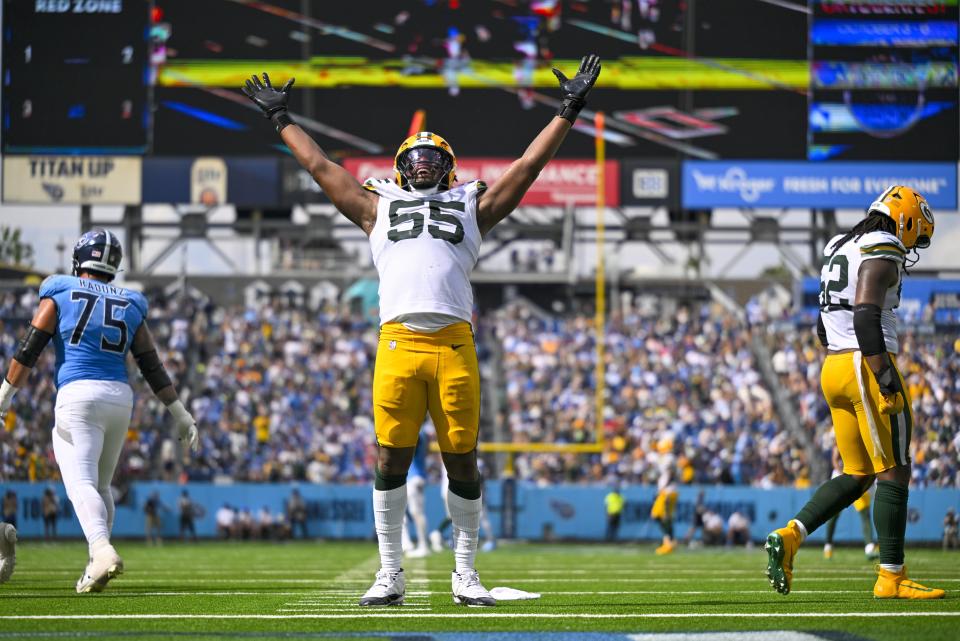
(96, 323)
(418, 466)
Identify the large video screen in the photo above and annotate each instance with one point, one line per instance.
(680, 78)
(700, 79)
(883, 80)
(75, 76)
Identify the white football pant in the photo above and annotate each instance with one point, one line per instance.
(416, 505)
(92, 418)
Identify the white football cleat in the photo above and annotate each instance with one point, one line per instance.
(467, 590)
(436, 541)
(8, 551)
(104, 565)
(388, 589)
(418, 552)
(872, 551)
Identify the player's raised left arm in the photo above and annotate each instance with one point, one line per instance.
(144, 351)
(505, 194)
(41, 329)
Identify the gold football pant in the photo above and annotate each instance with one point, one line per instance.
(869, 442)
(418, 373)
(664, 505)
(863, 502)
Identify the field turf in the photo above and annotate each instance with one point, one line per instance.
(623, 592)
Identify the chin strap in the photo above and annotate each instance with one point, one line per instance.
(429, 191)
(911, 259)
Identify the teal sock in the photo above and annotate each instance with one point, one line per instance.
(830, 499)
(866, 525)
(890, 517)
(831, 529)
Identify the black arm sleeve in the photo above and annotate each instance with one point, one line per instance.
(153, 370)
(30, 347)
(822, 331)
(869, 331)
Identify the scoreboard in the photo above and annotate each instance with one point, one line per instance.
(883, 80)
(76, 76)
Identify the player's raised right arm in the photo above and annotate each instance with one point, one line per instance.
(145, 353)
(42, 327)
(353, 201)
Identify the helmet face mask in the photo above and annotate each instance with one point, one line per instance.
(425, 161)
(424, 167)
(98, 252)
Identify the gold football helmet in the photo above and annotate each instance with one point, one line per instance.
(910, 211)
(424, 160)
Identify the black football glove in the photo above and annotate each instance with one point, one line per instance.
(273, 103)
(575, 89)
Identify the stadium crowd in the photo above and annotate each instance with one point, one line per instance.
(283, 393)
(684, 394)
(279, 394)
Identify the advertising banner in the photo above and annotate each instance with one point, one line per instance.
(650, 183)
(237, 180)
(561, 182)
(297, 186)
(516, 509)
(834, 185)
(71, 180)
(922, 300)
(208, 181)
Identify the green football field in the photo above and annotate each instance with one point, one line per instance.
(624, 592)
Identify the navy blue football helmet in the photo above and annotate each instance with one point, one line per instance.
(97, 251)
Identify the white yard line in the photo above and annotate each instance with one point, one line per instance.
(363, 569)
(334, 595)
(476, 614)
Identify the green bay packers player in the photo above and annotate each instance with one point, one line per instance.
(862, 506)
(872, 419)
(425, 232)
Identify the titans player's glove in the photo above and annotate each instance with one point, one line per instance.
(575, 89)
(273, 103)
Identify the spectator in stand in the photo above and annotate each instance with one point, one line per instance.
(738, 530)
(10, 508)
(154, 523)
(614, 504)
(245, 524)
(225, 517)
(187, 515)
(265, 523)
(712, 528)
(700, 508)
(297, 513)
(50, 507)
(950, 530)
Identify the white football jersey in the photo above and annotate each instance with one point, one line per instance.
(424, 248)
(838, 287)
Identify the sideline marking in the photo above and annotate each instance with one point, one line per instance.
(492, 615)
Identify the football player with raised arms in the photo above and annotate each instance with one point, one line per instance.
(93, 325)
(869, 403)
(425, 232)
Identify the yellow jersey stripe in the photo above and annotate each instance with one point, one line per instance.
(871, 249)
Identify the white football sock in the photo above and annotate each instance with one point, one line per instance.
(802, 528)
(889, 567)
(107, 497)
(465, 514)
(389, 510)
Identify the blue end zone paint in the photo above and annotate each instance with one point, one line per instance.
(205, 116)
